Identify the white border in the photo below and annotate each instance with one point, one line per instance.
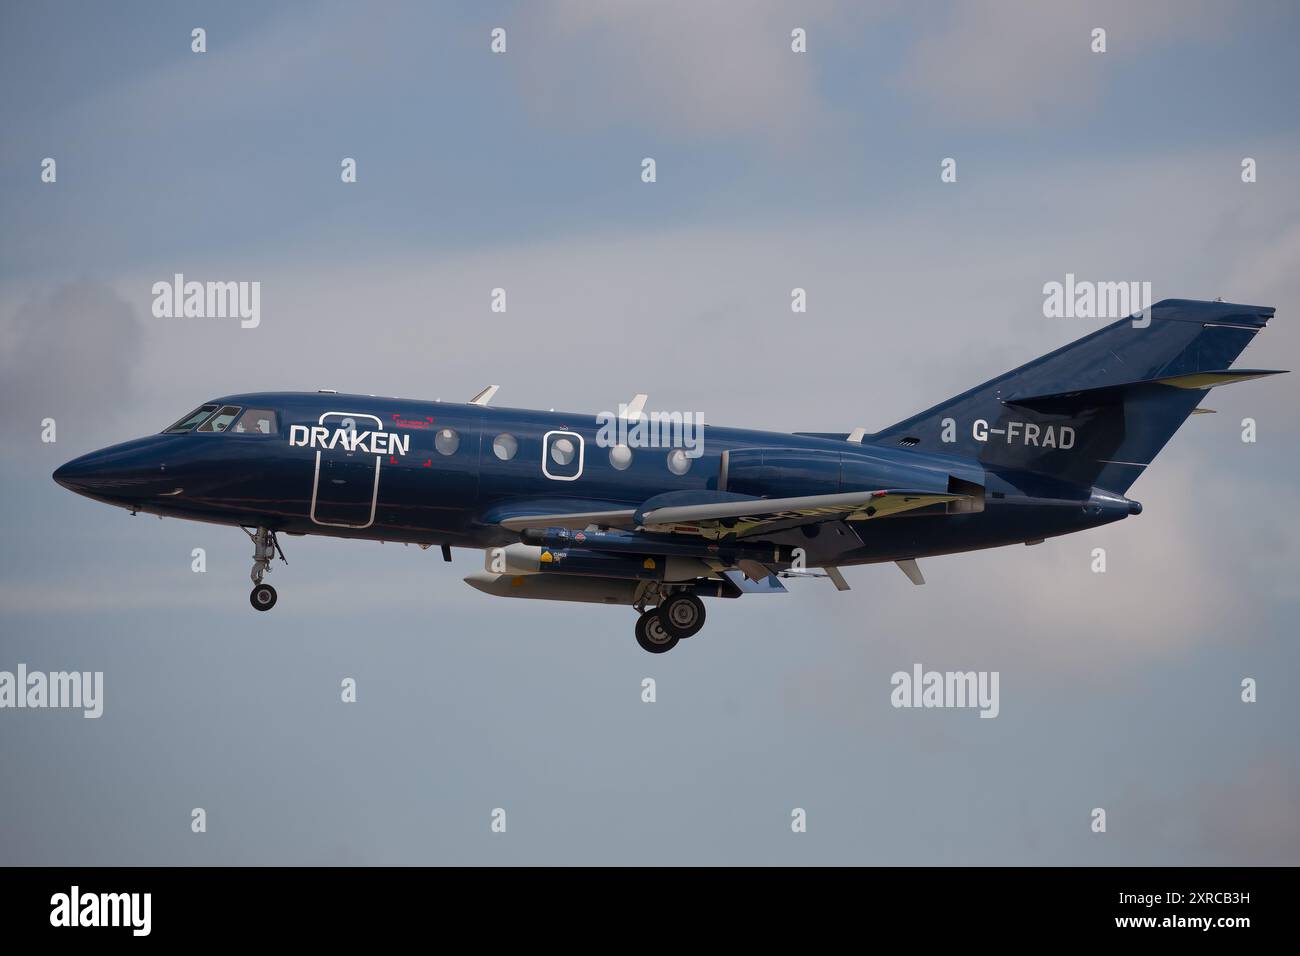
(546, 454)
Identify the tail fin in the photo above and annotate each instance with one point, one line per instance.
(1096, 411)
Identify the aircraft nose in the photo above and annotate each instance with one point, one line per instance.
(90, 474)
(78, 475)
(121, 473)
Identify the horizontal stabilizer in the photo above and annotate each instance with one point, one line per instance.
(1066, 402)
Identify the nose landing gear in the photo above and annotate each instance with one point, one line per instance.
(263, 597)
(265, 549)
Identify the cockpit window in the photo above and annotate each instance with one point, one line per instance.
(192, 419)
(255, 421)
(221, 420)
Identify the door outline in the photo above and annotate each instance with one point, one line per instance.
(546, 453)
(315, 484)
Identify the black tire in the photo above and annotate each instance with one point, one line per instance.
(683, 614)
(652, 635)
(263, 597)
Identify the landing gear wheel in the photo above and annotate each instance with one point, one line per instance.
(652, 635)
(683, 614)
(265, 549)
(263, 597)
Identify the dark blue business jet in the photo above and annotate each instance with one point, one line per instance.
(565, 512)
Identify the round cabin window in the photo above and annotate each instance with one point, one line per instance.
(505, 446)
(678, 461)
(446, 441)
(620, 457)
(563, 450)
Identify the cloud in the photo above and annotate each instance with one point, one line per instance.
(1018, 61)
(287, 58)
(1249, 818)
(926, 300)
(697, 69)
(69, 354)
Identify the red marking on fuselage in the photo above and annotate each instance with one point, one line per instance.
(401, 422)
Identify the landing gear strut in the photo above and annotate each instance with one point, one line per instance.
(265, 549)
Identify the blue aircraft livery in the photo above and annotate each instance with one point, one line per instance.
(563, 514)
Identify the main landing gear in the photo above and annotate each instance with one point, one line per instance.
(677, 617)
(265, 549)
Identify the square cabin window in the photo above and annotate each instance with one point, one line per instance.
(221, 420)
(192, 419)
(255, 421)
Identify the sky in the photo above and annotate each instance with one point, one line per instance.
(522, 170)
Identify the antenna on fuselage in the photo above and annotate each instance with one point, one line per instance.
(634, 408)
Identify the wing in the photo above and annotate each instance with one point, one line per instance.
(560, 513)
(718, 519)
(762, 515)
(721, 519)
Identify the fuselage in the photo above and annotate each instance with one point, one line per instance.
(439, 473)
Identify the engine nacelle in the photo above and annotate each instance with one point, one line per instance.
(793, 472)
